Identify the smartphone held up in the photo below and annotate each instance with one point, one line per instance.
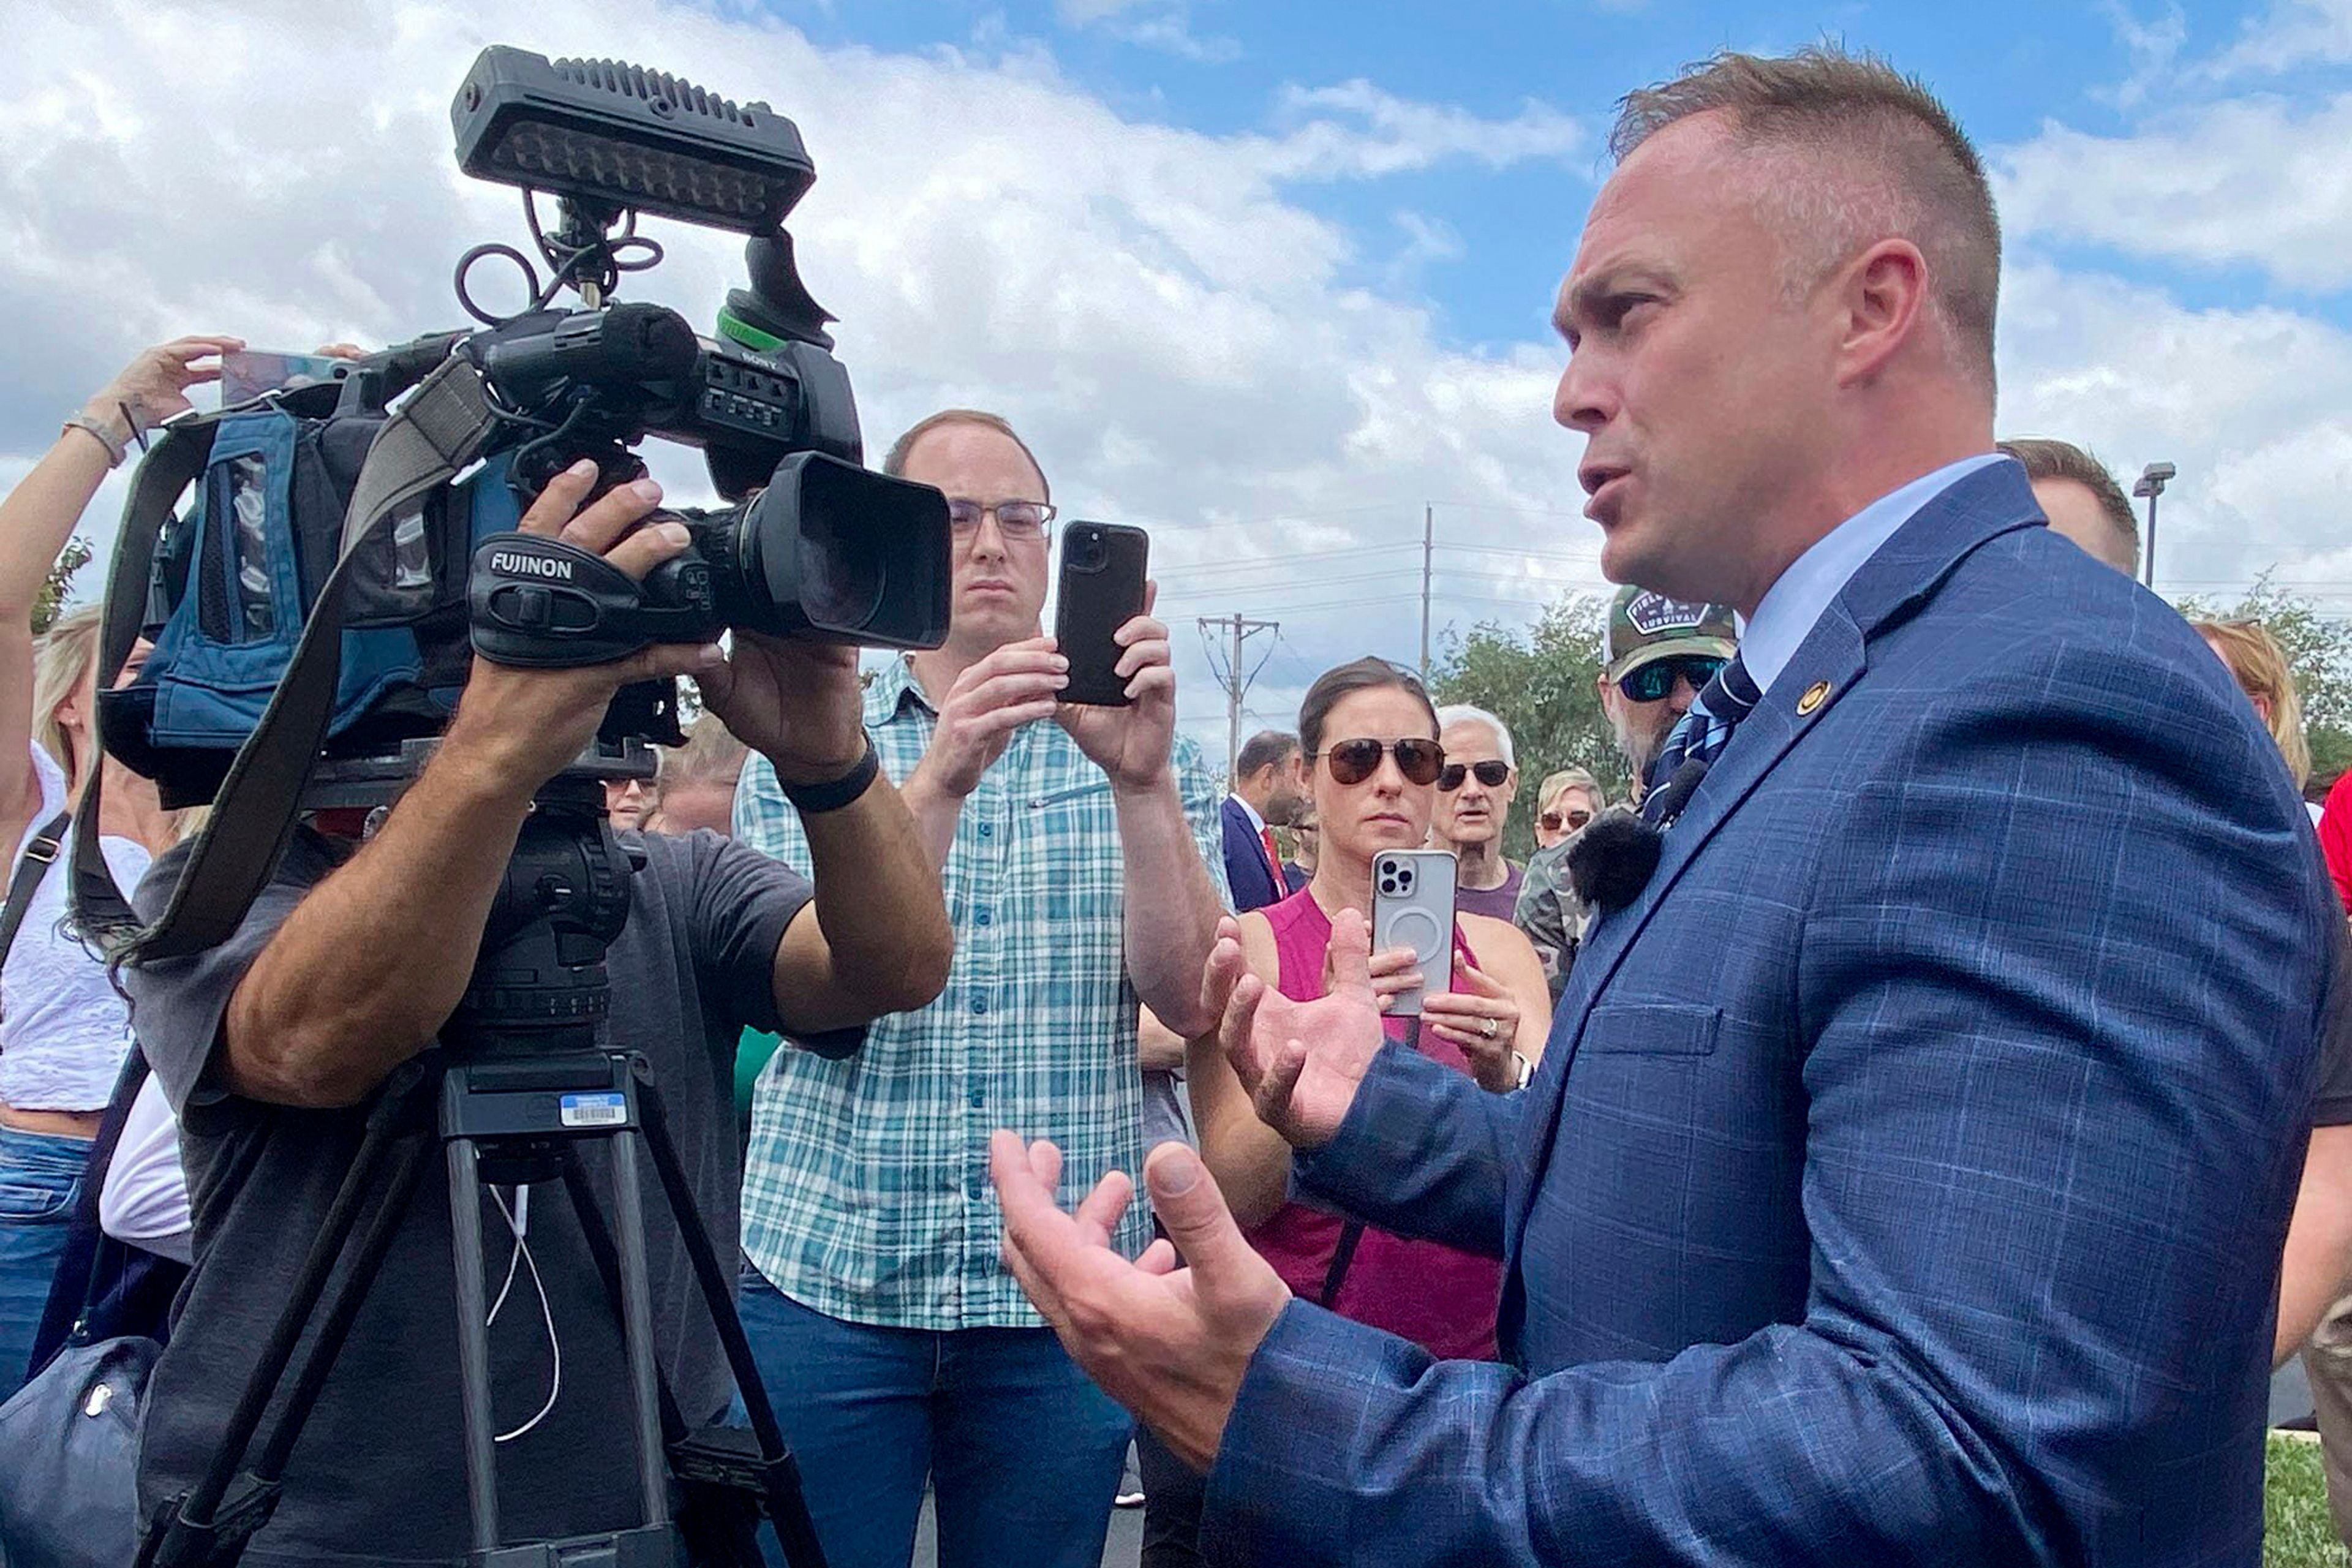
(1413, 906)
(1101, 588)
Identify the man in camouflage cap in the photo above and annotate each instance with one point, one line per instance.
(1657, 654)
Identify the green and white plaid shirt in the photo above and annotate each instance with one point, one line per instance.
(865, 1190)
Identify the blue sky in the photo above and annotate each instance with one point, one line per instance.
(1267, 278)
(2006, 69)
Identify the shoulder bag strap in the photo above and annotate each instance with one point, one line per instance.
(31, 867)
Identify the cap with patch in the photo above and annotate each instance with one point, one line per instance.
(1644, 627)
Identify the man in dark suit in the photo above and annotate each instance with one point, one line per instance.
(1266, 794)
(1906, 1179)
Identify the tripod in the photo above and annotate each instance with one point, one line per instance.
(517, 1083)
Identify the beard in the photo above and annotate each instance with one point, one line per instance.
(1641, 742)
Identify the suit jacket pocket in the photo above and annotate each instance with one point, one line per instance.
(1651, 1029)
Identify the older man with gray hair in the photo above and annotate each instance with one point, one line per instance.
(1475, 791)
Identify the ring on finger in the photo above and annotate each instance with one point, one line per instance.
(1486, 1027)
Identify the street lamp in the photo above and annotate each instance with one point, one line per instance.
(2152, 480)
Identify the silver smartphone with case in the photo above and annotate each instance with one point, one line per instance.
(1413, 906)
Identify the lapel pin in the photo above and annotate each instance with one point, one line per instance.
(1815, 695)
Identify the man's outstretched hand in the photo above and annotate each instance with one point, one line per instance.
(1169, 1335)
(1300, 1062)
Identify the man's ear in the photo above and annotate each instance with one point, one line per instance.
(1881, 302)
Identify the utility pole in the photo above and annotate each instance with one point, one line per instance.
(1428, 548)
(1231, 678)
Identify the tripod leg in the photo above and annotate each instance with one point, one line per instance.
(587, 1207)
(302, 1301)
(473, 1341)
(400, 1191)
(638, 1330)
(787, 1505)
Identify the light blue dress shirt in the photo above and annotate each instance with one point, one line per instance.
(1770, 639)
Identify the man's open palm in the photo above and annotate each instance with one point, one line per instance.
(1300, 1062)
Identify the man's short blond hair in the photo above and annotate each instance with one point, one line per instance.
(894, 463)
(1904, 169)
(2046, 457)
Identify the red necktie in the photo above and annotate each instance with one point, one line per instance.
(1273, 857)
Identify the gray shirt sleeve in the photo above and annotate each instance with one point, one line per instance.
(177, 1005)
(737, 905)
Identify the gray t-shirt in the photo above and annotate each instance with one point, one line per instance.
(378, 1473)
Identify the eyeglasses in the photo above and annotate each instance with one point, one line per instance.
(1304, 830)
(1655, 682)
(1353, 762)
(1490, 773)
(1554, 821)
(1016, 520)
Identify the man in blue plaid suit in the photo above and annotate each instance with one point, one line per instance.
(1906, 1179)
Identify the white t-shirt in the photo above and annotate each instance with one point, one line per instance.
(63, 1029)
(145, 1199)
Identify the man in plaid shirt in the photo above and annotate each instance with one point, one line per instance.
(893, 1342)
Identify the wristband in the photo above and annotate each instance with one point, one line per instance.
(812, 800)
(115, 450)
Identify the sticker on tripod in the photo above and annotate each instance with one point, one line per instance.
(595, 1110)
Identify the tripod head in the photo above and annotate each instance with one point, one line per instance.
(539, 985)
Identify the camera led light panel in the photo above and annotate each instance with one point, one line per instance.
(601, 131)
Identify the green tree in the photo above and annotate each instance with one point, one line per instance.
(2318, 651)
(1542, 681)
(70, 559)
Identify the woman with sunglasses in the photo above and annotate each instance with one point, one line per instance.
(1371, 736)
(1570, 799)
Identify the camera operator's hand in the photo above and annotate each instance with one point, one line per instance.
(528, 724)
(154, 386)
(798, 704)
(1012, 687)
(1132, 743)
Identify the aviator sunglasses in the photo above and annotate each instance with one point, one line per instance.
(1554, 821)
(1655, 682)
(1353, 762)
(1490, 773)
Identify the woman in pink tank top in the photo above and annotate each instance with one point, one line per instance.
(1369, 733)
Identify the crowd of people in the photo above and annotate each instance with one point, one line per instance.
(1908, 1126)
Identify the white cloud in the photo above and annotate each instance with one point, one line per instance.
(2253, 406)
(1173, 331)
(2152, 46)
(1400, 134)
(1164, 25)
(2291, 32)
(2260, 182)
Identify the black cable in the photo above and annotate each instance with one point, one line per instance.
(465, 264)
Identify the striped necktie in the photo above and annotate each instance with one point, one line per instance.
(1702, 734)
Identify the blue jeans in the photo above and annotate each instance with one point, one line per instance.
(1023, 1452)
(40, 1182)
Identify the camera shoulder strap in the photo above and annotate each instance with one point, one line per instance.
(421, 447)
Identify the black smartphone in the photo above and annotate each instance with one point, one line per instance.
(1103, 567)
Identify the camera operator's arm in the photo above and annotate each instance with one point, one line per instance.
(876, 938)
(1172, 903)
(40, 514)
(367, 967)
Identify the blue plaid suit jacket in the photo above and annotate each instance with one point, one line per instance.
(1906, 1176)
